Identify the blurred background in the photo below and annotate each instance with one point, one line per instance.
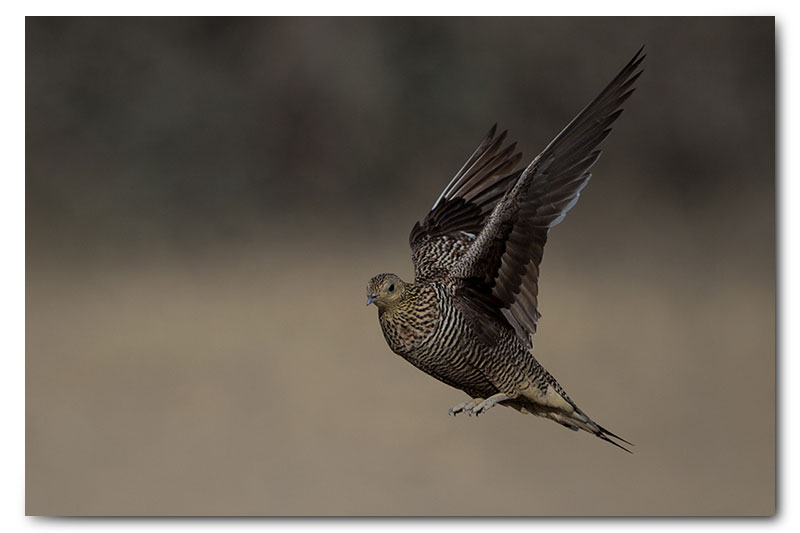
(207, 198)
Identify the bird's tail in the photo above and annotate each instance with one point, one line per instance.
(555, 405)
(579, 420)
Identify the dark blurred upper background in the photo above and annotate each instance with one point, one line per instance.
(142, 130)
(206, 199)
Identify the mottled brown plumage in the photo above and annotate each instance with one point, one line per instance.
(470, 315)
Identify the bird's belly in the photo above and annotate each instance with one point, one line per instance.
(446, 355)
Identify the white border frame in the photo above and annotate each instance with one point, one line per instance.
(12, 27)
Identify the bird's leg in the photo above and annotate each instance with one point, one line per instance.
(466, 406)
(487, 404)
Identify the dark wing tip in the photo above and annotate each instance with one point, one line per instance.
(638, 57)
(501, 138)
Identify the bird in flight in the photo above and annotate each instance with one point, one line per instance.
(469, 317)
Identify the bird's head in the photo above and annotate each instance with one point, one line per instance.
(385, 291)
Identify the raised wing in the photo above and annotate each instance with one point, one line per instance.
(501, 267)
(461, 210)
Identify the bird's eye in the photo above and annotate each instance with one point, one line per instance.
(390, 288)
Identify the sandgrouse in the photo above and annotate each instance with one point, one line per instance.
(470, 315)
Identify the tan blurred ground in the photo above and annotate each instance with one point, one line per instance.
(257, 383)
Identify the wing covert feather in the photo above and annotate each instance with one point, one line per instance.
(461, 210)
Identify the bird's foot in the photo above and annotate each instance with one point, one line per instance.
(464, 407)
(487, 404)
(478, 406)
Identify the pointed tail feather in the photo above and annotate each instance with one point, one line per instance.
(587, 424)
(600, 432)
(579, 420)
(610, 434)
(603, 435)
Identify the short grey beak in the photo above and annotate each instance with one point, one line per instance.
(371, 299)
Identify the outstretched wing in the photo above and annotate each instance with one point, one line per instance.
(461, 210)
(501, 267)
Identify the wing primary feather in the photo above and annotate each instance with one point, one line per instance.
(506, 253)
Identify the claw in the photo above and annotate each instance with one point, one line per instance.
(464, 407)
